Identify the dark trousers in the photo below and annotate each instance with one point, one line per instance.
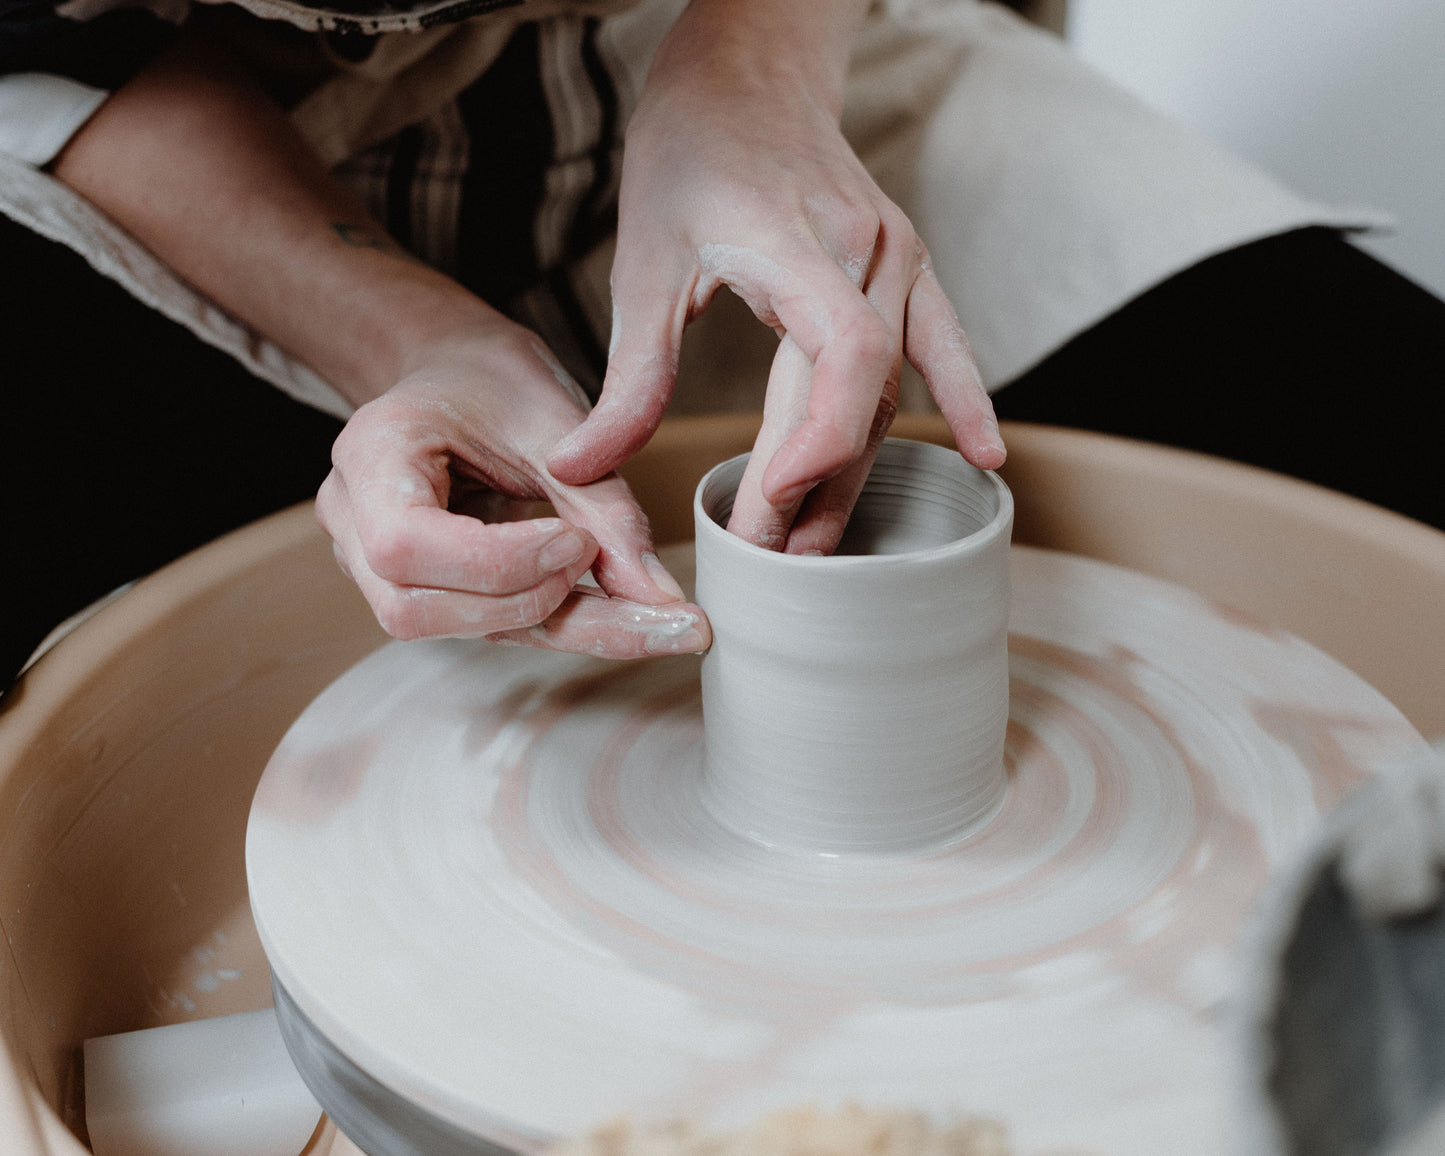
(1300, 353)
(126, 442)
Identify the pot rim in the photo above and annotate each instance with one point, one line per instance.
(1000, 524)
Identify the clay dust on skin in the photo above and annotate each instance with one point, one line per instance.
(661, 629)
(855, 263)
(760, 281)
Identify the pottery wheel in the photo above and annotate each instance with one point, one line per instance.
(494, 907)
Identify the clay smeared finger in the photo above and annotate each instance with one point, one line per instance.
(410, 612)
(938, 348)
(626, 565)
(852, 368)
(785, 408)
(815, 522)
(430, 547)
(823, 516)
(588, 622)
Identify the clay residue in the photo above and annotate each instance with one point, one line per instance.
(1318, 740)
(882, 928)
(309, 784)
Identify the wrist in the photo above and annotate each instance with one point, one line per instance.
(774, 49)
(401, 314)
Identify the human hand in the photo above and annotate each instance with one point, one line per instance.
(427, 482)
(459, 407)
(737, 174)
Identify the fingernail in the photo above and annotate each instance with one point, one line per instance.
(660, 577)
(675, 632)
(561, 551)
(794, 494)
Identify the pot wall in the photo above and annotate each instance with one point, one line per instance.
(893, 654)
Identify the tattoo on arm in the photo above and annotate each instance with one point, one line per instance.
(364, 237)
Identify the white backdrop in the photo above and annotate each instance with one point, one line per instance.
(1343, 99)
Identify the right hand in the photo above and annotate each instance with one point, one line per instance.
(427, 486)
(737, 174)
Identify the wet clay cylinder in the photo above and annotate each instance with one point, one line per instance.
(858, 702)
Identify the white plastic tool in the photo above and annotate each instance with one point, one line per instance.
(218, 1087)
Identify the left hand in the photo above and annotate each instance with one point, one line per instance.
(737, 174)
(427, 502)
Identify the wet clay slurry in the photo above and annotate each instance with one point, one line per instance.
(514, 907)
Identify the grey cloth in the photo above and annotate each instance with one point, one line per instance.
(1344, 1036)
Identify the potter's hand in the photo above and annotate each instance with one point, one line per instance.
(458, 406)
(424, 483)
(736, 174)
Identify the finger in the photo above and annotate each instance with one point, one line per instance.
(886, 279)
(824, 514)
(410, 612)
(626, 565)
(938, 348)
(406, 536)
(649, 311)
(589, 623)
(424, 546)
(853, 351)
(785, 408)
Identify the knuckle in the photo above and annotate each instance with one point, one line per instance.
(389, 554)
(527, 608)
(894, 223)
(883, 417)
(343, 449)
(538, 602)
(857, 227)
(873, 344)
(325, 507)
(399, 613)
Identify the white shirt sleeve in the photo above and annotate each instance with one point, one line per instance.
(40, 112)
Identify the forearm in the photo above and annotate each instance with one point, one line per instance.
(197, 162)
(777, 49)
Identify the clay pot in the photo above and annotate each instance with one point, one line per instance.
(858, 702)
